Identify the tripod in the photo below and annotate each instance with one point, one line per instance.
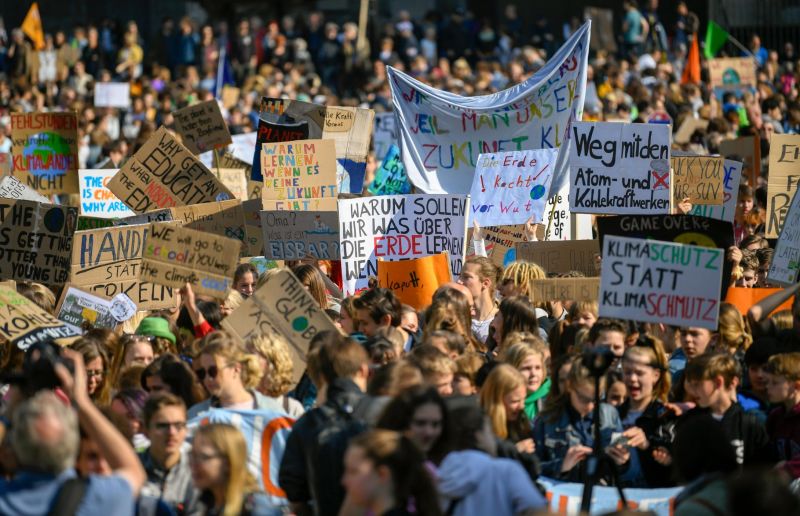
(598, 458)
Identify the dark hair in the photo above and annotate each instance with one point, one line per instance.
(467, 420)
(243, 269)
(380, 302)
(178, 376)
(518, 314)
(761, 491)
(602, 325)
(399, 413)
(701, 446)
(157, 401)
(340, 357)
(311, 278)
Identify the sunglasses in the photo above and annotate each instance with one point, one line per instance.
(212, 372)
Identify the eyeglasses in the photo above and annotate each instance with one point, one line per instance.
(165, 426)
(212, 371)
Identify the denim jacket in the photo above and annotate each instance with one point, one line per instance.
(553, 439)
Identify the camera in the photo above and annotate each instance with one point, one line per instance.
(597, 361)
(38, 369)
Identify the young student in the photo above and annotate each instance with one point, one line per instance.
(610, 334)
(528, 357)
(749, 269)
(712, 380)
(436, 367)
(479, 275)
(465, 377)
(694, 342)
(379, 308)
(783, 424)
(503, 398)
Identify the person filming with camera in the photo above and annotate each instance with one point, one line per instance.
(44, 437)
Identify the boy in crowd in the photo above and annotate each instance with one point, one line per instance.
(749, 265)
(610, 334)
(436, 367)
(379, 308)
(783, 424)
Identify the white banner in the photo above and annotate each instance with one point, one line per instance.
(441, 133)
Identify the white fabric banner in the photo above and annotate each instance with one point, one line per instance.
(441, 134)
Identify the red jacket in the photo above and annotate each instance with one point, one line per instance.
(784, 433)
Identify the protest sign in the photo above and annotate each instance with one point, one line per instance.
(76, 307)
(224, 218)
(164, 174)
(45, 151)
(230, 96)
(162, 215)
(202, 127)
(699, 179)
(35, 241)
(785, 263)
(499, 242)
(511, 187)
(385, 134)
(174, 256)
(744, 298)
(228, 160)
(731, 180)
(414, 281)
(282, 306)
(558, 220)
(11, 188)
(441, 134)
(270, 133)
(661, 282)
(299, 170)
(682, 229)
(562, 257)
(732, 73)
(566, 289)
(619, 168)
(22, 323)
(746, 149)
(112, 94)
(395, 227)
(253, 236)
(324, 204)
(108, 262)
(349, 127)
(85, 222)
(687, 128)
(390, 178)
(234, 180)
(566, 497)
(784, 160)
(262, 264)
(96, 199)
(293, 235)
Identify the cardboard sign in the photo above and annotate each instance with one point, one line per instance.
(282, 306)
(292, 235)
(744, 298)
(385, 134)
(390, 178)
(112, 94)
(619, 168)
(414, 281)
(748, 150)
(228, 160)
(174, 256)
(784, 174)
(732, 73)
(396, 227)
(253, 235)
(22, 323)
(498, 241)
(5, 164)
(96, 199)
(164, 174)
(270, 133)
(562, 257)
(682, 229)
(698, 178)
(85, 223)
(511, 187)
(687, 128)
(234, 180)
(45, 151)
(108, 262)
(202, 127)
(661, 282)
(11, 188)
(35, 241)
(326, 204)
(299, 170)
(224, 218)
(76, 307)
(349, 127)
(163, 215)
(730, 183)
(785, 264)
(566, 289)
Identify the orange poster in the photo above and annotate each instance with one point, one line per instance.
(414, 281)
(744, 298)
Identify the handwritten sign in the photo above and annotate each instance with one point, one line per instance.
(292, 235)
(390, 178)
(414, 281)
(325, 204)
(273, 132)
(785, 263)
(45, 151)
(76, 307)
(112, 94)
(234, 180)
(566, 289)
(498, 241)
(660, 282)
(35, 241)
(698, 178)
(202, 127)
(561, 257)
(784, 174)
(108, 262)
(12, 188)
(619, 168)
(688, 127)
(282, 306)
(96, 199)
(511, 187)
(558, 222)
(732, 73)
(385, 134)
(164, 174)
(299, 170)
(175, 256)
(748, 150)
(253, 236)
(23, 323)
(396, 227)
(730, 183)
(224, 218)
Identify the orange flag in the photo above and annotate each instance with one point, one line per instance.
(32, 27)
(691, 73)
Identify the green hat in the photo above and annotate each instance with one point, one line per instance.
(155, 327)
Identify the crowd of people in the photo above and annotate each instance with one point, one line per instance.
(459, 408)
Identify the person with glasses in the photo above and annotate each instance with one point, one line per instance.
(166, 461)
(96, 360)
(230, 375)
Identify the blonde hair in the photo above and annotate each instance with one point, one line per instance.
(230, 443)
(782, 319)
(39, 294)
(234, 300)
(275, 351)
(444, 315)
(468, 365)
(733, 334)
(786, 365)
(521, 274)
(502, 380)
(652, 355)
(221, 343)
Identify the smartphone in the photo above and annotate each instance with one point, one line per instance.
(617, 439)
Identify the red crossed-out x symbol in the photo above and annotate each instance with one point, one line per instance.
(660, 180)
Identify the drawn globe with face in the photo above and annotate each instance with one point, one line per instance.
(41, 150)
(730, 76)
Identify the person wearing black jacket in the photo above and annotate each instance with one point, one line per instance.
(312, 465)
